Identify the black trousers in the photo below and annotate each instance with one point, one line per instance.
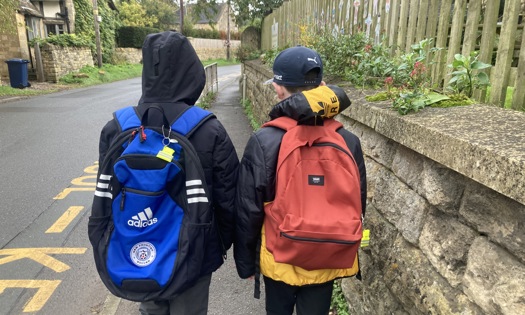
(193, 301)
(308, 300)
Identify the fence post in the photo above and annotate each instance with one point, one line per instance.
(456, 32)
(488, 36)
(412, 22)
(402, 30)
(500, 77)
(39, 64)
(422, 20)
(432, 21)
(518, 97)
(394, 23)
(471, 27)
(441, 42)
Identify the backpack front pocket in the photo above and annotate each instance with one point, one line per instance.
(311, 245)
(149, 224)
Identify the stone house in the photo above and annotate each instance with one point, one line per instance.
(35, 18)
(214, 18)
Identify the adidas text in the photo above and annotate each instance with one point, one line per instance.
(141, 224)
(143, 219)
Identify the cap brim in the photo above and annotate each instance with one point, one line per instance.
(267, 82)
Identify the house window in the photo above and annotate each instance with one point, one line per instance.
(55, 29)
(33, 30)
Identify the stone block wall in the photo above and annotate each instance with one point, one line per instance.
(213, 48)
(59, 61)
(446, 206)
(129, 55)
(14, 45)
(205, 48)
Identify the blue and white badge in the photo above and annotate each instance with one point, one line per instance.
(143, 254)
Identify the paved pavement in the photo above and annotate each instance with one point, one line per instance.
(229, 295)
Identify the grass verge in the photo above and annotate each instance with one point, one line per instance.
(88, 76)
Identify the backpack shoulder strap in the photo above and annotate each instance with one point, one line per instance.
(127, 118)
(283, 122)
(287, 123)
(190, 120)
(185, 124)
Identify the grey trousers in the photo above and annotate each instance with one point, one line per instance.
(193, 301)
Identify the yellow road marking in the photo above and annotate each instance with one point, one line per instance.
(93, 169)
(40, 255)
(66, 191)
(81, 181)
(45, 290)
(65, 219)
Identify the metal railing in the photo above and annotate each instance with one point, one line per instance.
(212, 81)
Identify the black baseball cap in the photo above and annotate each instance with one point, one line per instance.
(292, 64)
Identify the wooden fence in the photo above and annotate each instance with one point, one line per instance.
(456, 26)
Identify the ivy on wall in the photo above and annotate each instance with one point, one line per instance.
(7, 15)
(84, 26)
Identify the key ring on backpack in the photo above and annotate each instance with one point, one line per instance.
(167, 140)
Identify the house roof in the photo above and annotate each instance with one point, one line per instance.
(27, 8)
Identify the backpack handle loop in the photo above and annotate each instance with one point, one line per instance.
(145, 116)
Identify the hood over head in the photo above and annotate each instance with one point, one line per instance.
(312, 106)
(172, 72)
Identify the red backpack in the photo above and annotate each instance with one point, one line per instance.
(315, 221)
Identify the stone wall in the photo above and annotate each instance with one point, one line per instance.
(14, 45)
(206, 49)
(129, 55)
(446, 195)
(59, 61)
(213, 48)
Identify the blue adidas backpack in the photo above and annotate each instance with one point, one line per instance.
(151, 211)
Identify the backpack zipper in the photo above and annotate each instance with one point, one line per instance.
(316, 240)
(139, 192)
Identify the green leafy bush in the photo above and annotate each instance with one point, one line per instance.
(339, 304)
(133, 36)
(244, 53)
(339, 54)
(108, 26)
(202, 33)
(464, 79)
(64, 40)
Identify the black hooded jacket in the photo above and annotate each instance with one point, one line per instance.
(256, 179)
(173, 78)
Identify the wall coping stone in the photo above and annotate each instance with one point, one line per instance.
(482, 142)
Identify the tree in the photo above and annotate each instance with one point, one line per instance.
(133, 14)
(249, 10)
(206, 8)
(163, 10)
(7, 15)
(84, 25)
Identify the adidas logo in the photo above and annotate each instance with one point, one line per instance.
(143, 219)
